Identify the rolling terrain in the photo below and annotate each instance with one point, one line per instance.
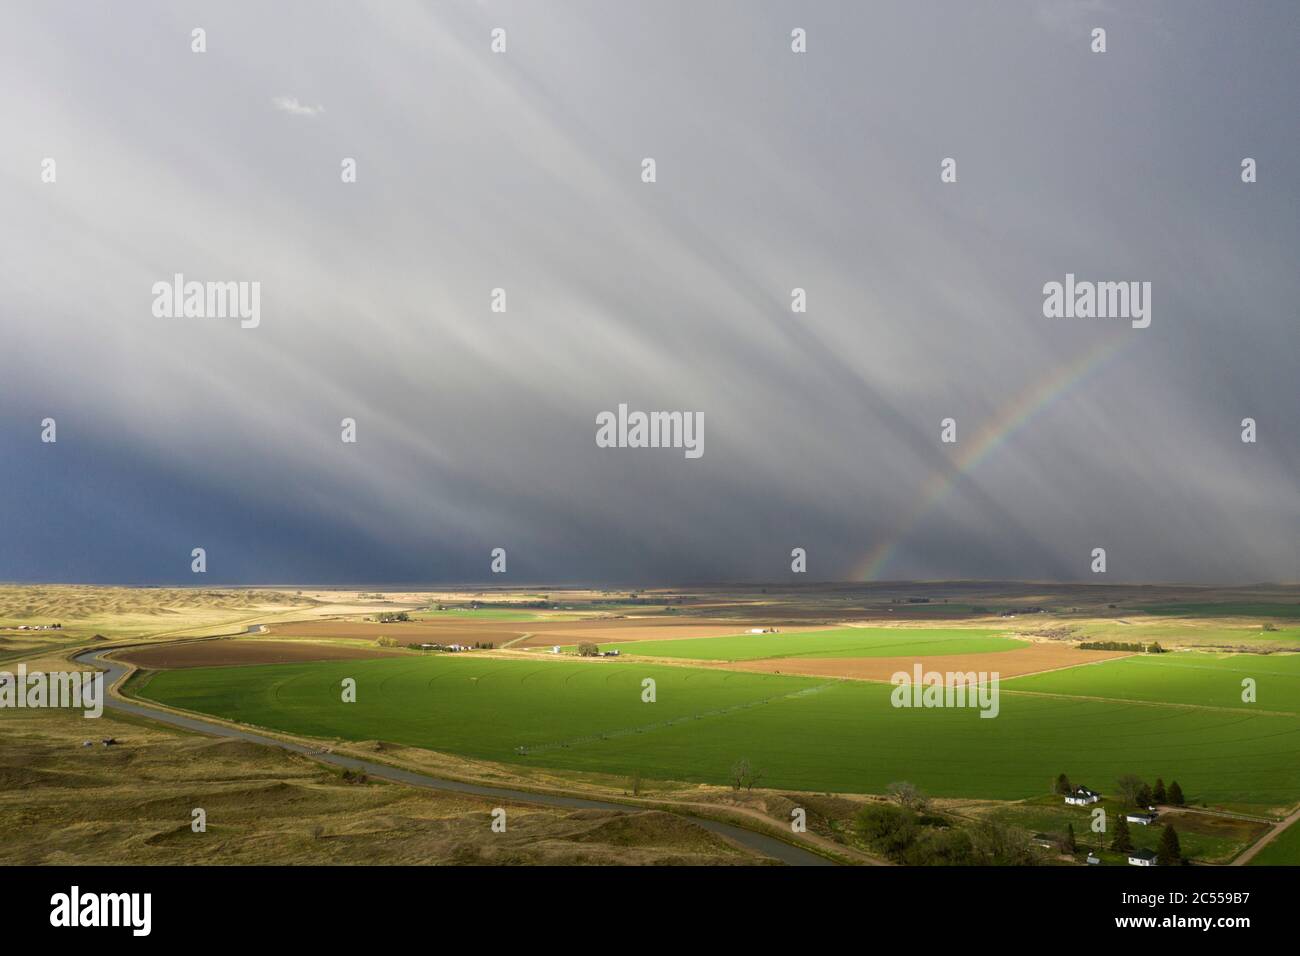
(805, 703)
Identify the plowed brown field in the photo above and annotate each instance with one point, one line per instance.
(543, 633)
(411, 632)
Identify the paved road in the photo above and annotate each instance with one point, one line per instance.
(768, 846)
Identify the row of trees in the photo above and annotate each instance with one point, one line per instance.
(1135, 791)
(1138, 648)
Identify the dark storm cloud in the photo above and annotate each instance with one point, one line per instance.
(775, 170)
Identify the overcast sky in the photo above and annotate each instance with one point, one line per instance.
(775, 170)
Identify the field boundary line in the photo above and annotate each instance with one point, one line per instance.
(1154, 703)
(515, 640)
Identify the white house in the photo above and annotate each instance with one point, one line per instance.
(1082, 796)
(1142, 858)
(1145, 819)
(1093, 859)
(555, 649)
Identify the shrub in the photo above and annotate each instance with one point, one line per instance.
(888, 828)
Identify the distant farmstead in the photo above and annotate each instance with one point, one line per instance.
(1082, 796)
(1142, 858)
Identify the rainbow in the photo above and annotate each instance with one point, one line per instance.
(1010, 419)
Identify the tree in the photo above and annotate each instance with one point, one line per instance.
(1071, 845)
(588, 649)
(1169, 853)
(890, 829)
(907, 795)
(951, 847)
(1158, 794)
(1123, 841)
(996, 844)
(1176, 794)
(744, 775)
(1128, 786)
(1144, 796)
(1063, 784)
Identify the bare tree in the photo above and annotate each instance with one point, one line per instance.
(908, 795)
(1129, 786)
(743, 774)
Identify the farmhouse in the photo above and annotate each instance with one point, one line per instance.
(1082, 796)
(1145, 819)
(1142, 858)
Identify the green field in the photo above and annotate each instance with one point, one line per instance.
(1223, 609)
(804, 733)
(839, 642)
(504, 615)
(1283, 851)
(1183, 678)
